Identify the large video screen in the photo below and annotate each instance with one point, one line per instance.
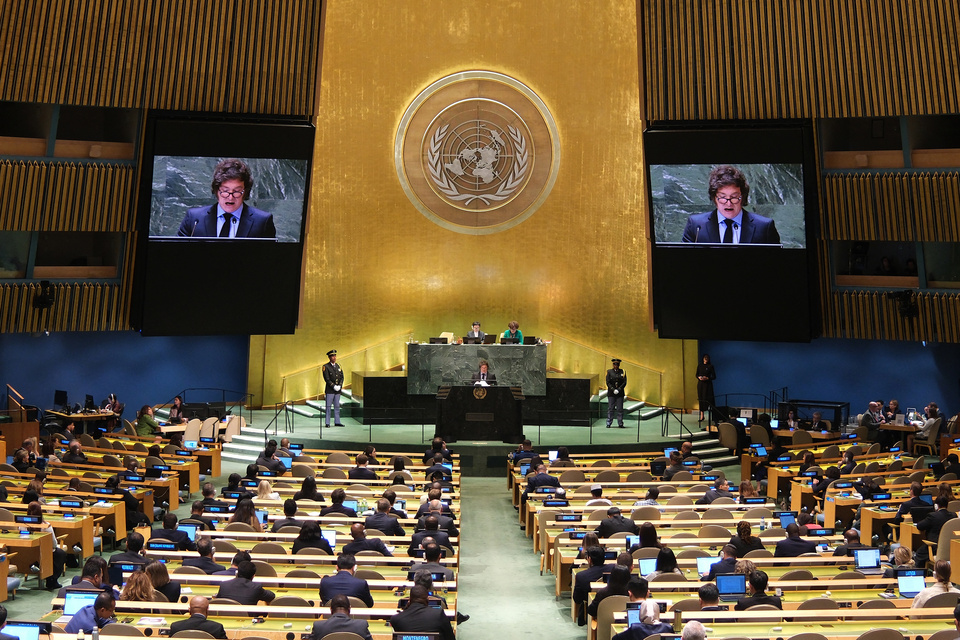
(222, 216)
(732, 208)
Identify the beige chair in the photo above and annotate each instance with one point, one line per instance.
(802, 437)
(313, 551)
(224, 546)
(637, 476)
(307, 573)
(717, 514)
(877, 604)
(687, 604)
(645, 514)
(668, 488)
(407, 462)
(728, 436)
(288, 601)
(572, 476)
(682, 476)
(819, 604)
(335, 473)
(367, 574)
(680, 499)
(265, 569)
(338, 457)
(602, 463)
(896, 465)
(881, 634)
(336, 635)
(230, 601)
(645, 552)
(929, 444)
(271, 548)
(190, 570)
(830, 452)
(105, 443)
(208, 428)
(807, 636)
(192, 633)
(693, 553)
(758, 553)
(755, 513)
(713, 531)
(759, 436)
(87, 440)
(604, 620)
(687, 515)
(607, 475)
(764, 619)
(119, 629)
(724, 500)
(301, 471)
(239, 526)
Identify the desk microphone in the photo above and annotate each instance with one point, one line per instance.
(196, 222)
(694, 240)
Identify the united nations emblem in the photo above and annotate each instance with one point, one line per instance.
(479, 393)
(477, 152)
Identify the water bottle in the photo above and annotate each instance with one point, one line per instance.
(763, 523)
(95, 633)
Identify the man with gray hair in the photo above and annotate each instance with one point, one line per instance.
(693, 630)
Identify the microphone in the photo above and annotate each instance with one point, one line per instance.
(698, 235)
(196, 222)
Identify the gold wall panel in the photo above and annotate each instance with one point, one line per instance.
(783, 58)
(251, 56)
(376, 267)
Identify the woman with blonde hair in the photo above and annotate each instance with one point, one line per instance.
(902, 559)
(265, 492)
(744, 566)
(138, 588)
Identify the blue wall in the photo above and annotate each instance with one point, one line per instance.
(854, 371)
(139, 370)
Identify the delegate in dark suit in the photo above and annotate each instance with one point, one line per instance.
(385, 523)
(367, 544)
(340, 622)
(489, 378)
(794, 547)
(420, 617)
(199, 622)
(445, 524)
(610, 526)
(345, 583)
(440, 537)
(244, 591)
(755, 229)
(205, 563)
(727, 565)
(758, 598)
(184, 543)
(201, 222)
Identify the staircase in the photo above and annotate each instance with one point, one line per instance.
(708, 449)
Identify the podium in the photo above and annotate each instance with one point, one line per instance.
(479, 413)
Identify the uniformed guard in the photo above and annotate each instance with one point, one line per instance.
(333, 383)
(616, 384)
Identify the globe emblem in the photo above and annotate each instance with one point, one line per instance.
(478, 163)
(477, 152)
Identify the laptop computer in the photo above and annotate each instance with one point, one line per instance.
(909, 586)
(471, 340)
(25, 630)
(786, 517)
(632, 540)
(189, 529)
(553, 454)
(867, 561)
(760, 450)
(350, 504)
(330, 535)
(73, 601)
(704, 564)
(657, 467)
(732, 586)
(646, 565)
(286, 460)
(490, 338)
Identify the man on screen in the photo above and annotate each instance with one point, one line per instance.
(231, 217)
(729, 223)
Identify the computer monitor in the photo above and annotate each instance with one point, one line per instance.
(60, 398)
(490, 338)
(88, 403)
(509, 340)
(760, 450)
(927, 499)
(73, 601)
(910, 585)
(868, 558)
(657, 467)
(472, 340)
(530, 339)
(786, 518)
(190, 444)
(436, 340)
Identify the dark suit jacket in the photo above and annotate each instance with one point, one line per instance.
(285, 522)
(931, 525)
(905, 508)
(180, 537)
(758, 598)
(435, 567)
(446, 524)
(793, 547)
(437, 467)
(340, 622)
(367, 544)
(342, 582)
(361, 473)
(847, 549)
(491, 378)
(610, 526)
(244, 591)
(201, 222)
(440, 536)
(338, 509)
(127, 556)
(199, 622)
(429, 453)
(542, 480)
(205, 563)
(418, 617)
(742, 547)
(384, 522)
(727, 565)
(704, 228)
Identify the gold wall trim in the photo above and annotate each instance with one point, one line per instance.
(76, 307)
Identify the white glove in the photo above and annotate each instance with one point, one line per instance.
(616, 392)
(336, 387)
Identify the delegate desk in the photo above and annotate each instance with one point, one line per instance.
(81, 419)
(208, 453)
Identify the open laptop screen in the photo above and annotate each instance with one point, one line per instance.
(23, 630)
(704, 564)
(647, 565)
(910, 586)
(330, 535)
(731, 584)
(189, 529)
(73, 601)
(867, 558)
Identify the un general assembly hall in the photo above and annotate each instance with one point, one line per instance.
(425, 319)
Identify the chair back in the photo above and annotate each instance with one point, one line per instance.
(192, 633)
(728, 436)
(120, 629)
(270, 548)
(881, 634)
(680, 499)
(689, 514)
(301, 471)
(189, 569)
(682, 475)
(607, 475)
(759, 435)
(608, 606)
(288, 601)
(208, 428)
(713, 531)
(637, 476)
(87, 440)
(602, 463)
(265, 569)
(239, 526)
(645, 514)
(830, 452)
(802, 437)
(645, 552)
(336, 635)
(335, 473)
(224, 546)
(717, 514)
(337, 457)
(192, 430)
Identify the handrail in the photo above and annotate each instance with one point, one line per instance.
(677, 414)
(282, 407)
